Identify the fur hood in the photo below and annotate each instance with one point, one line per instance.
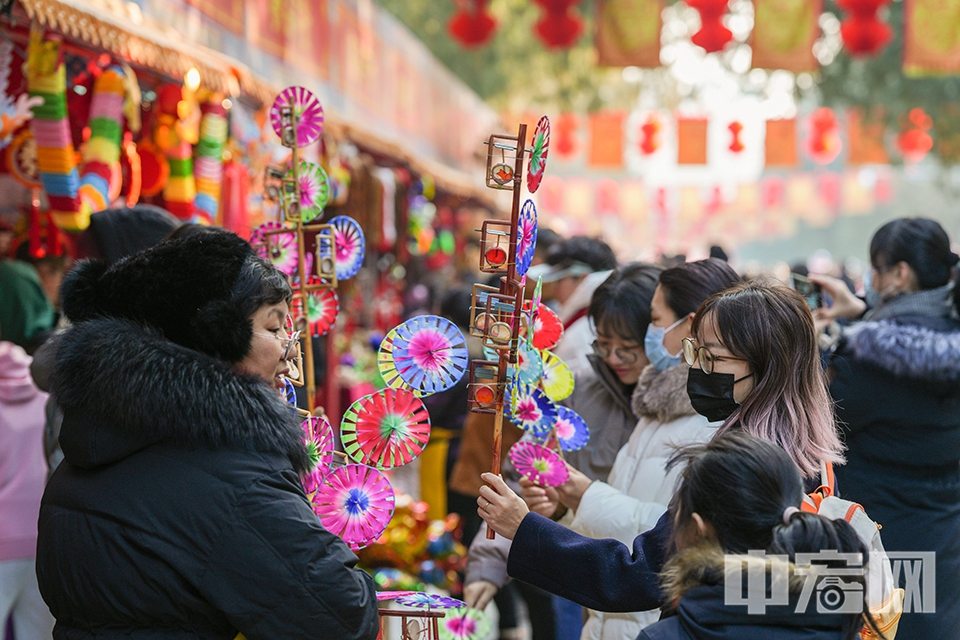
(123, 387)
(703, 565)
(908, 350)
(662, 395)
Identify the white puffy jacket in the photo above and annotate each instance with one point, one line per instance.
(639, 489)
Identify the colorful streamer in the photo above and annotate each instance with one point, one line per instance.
(101, 179)
(208, 169)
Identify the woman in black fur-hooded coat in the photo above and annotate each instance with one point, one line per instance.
(178, 511)
(895, 377)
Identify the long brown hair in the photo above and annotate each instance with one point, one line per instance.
(771, 328)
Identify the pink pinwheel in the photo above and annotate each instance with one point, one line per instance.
(386, 429)
(278, 248)
(392, 595)
(538, 464)
(571, 429)
(318, 438)
(422, 600)
(307, 109)
(464, 624)
(425, 354)
(356, 503)
(323, 306)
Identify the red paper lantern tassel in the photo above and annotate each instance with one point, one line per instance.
(648, 136)
(713, 36)
(558, 28)
(471, 25)
(735, 145)
(863, 33)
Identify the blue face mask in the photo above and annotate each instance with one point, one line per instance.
(657, 354)
(873, 297)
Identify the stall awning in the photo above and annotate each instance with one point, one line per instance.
(120, 29)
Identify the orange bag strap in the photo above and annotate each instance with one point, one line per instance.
(811, 501)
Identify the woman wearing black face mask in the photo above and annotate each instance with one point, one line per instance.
(758, 342)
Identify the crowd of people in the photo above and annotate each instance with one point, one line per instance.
(149, 471)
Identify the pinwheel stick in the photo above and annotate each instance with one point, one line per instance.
(509, 286)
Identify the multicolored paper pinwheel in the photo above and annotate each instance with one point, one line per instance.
(278, 248)
(349, 246)
(421, 600)
(314, 190)
(529, 365)
(318, 438)
(571, 429)
(530, 409)
(306, 107)
(547, 328)
(465, 624)
(323, 305)
(289, 392)
(392, 595)
(356, 503)
(426, 354)
(538, 154)
(385, 429)
(538, 464)
(556, 379)
(526, 237)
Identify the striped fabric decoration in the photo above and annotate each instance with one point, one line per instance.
(101, 179)
(208, 169)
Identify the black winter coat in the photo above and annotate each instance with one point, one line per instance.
(178, 511)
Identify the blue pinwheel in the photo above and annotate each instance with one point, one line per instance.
(571, 429)
(426, 354)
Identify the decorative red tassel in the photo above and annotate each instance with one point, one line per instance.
(914, 142)
(863, 33)
(735, 145)
(713, 36)
(558, 28)
(565, 132)
(472, 26)
(649, 141)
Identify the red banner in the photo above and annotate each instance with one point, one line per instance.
(783, 34)
(606, 139)
(865, 137)
(691, 141)
(267, 25)
(781, 143)
(931, 37)
(628, 33)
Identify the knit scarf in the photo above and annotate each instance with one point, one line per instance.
(931, 303)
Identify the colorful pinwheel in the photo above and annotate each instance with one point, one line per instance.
(571, 429)
(392, 595)
(529, 365)
(420, 600)
(427, 354)
(526, 237)
(530, 409)
(385, 429)
(278, 248)
(306, 107)
(538, 464)
(314, 190)
(538, 154)
(356, 503)
(289, 393)
(464, 624)
(547, 328)
(318, 438)
(556, 379)
(323, 305)
(349, 246)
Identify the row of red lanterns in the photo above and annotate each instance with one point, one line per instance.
(559, 27)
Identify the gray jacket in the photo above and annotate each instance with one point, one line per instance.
(600, 398)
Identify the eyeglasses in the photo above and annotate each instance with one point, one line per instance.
(692, 353)
(626, 355)
(289, 343)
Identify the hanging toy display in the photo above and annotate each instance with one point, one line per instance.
(180, 191)
(208, 167)
(56, 159)
(13, 113)
(101, 179)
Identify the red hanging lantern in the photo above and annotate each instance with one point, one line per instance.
(914, 142)
(735, 129)
(471, 25)
(823, 138)
(565, 141)
(863, 33)
(558, 28)
(713, 36)
(649, 142)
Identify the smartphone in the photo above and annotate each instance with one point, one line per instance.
(811, 292)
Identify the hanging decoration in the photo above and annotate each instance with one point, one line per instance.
(558, 28)
(101, 180)
(914, 142)
(180, 191)
(208, 169)
(735, 128)
(154, 169)
(823, 136)
(471, 26)
(649, 138)
(21, 157)
(386, 429)
(713, 36)
(13, 114)
(863, 33)
(56, 159)
(784, 33)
